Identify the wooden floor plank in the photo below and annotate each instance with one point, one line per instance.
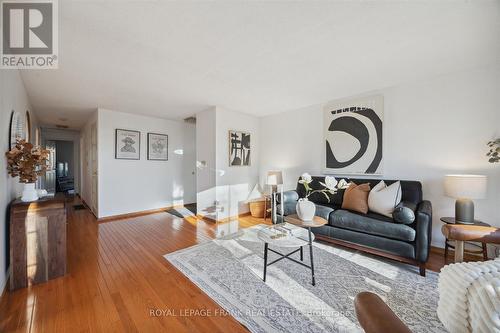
(117, 274)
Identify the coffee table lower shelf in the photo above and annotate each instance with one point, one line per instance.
(302, 236)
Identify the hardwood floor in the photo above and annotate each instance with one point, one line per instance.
(117, 275)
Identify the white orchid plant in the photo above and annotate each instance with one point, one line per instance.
(331, 185)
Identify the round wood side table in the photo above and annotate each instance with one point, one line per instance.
(315, 223)
(474, 247)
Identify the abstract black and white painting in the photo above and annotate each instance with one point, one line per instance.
(353, 135)
(157, 147)
(239, 148)
(127, 144)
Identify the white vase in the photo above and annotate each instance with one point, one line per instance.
(305, 209)
(29, 192)
(41, 193)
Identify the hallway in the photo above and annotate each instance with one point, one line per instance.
(116, 274)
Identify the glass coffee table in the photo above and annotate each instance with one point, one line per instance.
(294, 233)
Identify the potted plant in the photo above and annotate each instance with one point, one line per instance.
(305, 208)
(27, 162)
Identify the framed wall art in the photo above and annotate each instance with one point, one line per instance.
(353, 131)
(157, 147)
(127, 144)
(239, 148)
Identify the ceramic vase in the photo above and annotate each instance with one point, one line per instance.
(29, 192)
(42, 193)
(305, 209)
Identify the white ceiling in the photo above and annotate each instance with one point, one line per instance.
(173, 59)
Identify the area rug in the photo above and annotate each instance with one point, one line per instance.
(229, 270)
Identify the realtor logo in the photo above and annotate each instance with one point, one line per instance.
(29, 34)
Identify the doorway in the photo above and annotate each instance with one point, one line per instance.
(60, 176)
(64, 160)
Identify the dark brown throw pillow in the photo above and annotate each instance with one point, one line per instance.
(356, 198)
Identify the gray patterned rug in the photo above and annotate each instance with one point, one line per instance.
(229, 270)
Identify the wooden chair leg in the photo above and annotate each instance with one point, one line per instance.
(459, 251)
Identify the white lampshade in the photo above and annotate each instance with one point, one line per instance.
(465, 186)
(274, 178)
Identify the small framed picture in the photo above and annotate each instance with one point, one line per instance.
(239, 148)
(157, 147)
(127, 144)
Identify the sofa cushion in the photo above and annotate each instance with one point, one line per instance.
(364, 223)
(391, 246)
(288, 196)
(383, 199)
(323, 211)
(411, 190)
(404, 213)
(356, 198)
(288, 208)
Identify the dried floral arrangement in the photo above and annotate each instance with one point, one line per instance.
(26, 161)
(494, 151)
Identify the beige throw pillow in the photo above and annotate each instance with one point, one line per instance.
(383, 199)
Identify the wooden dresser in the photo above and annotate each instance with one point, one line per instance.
(37, 240)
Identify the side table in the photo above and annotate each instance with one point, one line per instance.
(315, 223)
(37, 240)
(477, 249)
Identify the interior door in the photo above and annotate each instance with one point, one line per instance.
(93, 168)
(50, 175)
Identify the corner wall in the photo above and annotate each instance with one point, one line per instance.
(13, 96)
(236, 183)
(86, 161)
(127, 186)
(206, 171)
(229, 186)
(431, 128)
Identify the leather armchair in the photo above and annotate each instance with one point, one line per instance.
(375, 316)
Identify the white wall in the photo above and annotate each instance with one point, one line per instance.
(12, 97)
(228, 185)
(189, 163)
(431, 128)
(234, 186)
(86, 159)
(127, 186)
(205, 156)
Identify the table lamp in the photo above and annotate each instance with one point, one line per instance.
(275, 178)
(464, 188)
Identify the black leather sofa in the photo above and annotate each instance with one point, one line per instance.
(373, 233)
